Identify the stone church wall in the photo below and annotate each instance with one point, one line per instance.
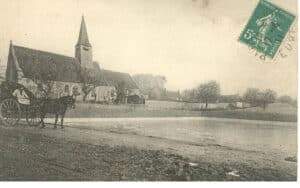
(100, 93)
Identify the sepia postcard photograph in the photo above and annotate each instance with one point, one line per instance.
(148, 90)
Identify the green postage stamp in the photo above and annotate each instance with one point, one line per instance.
(267, 28)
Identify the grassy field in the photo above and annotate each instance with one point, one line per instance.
(275, 112)
(251, 115)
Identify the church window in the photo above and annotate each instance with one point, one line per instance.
(67, 89)
(75, 91)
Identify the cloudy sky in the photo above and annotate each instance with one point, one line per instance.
(188, 41)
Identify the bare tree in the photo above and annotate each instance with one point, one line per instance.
(44, 75)
(267, 97)
(285, 99)
(251, 96)
(259, 98)
(208, 92)
(151, 85)
(121, 92)
(89, 81)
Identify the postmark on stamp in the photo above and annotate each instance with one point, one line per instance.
(267, 28)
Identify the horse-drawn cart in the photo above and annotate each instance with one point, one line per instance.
(11, 111)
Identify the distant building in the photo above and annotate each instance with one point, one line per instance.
(229, 98)
(22, 61)
(116, 78)
(233, 101)
(173, 95)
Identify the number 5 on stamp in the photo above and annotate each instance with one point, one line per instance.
(267, 28)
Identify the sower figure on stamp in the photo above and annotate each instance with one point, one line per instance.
(267, 24)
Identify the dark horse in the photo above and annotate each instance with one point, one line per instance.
(58, 107)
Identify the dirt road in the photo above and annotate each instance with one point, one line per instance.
(110, 151)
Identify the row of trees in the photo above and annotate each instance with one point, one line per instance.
(210, 92)
(154, 87)
(287, 100)
(255, 97)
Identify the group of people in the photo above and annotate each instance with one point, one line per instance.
(36, 103)
(39, 93)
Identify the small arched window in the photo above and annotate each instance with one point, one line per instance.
(75, 91)
(67, 89)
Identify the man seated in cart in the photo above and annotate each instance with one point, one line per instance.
(26, 99)
(22, 96)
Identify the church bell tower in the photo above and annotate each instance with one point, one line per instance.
(83, 48)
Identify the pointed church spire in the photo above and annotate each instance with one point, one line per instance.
(83, 36)
(83, 48)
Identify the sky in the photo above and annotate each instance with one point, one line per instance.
(187, 41)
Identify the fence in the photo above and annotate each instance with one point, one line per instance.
(158, 105)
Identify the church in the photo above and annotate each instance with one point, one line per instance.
(26, 66)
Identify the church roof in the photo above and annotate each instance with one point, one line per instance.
(101, 80)
(114, 78)
(67, 69)
(83, 38)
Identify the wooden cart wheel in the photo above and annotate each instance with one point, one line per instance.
(10, 112)
(33, 116)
